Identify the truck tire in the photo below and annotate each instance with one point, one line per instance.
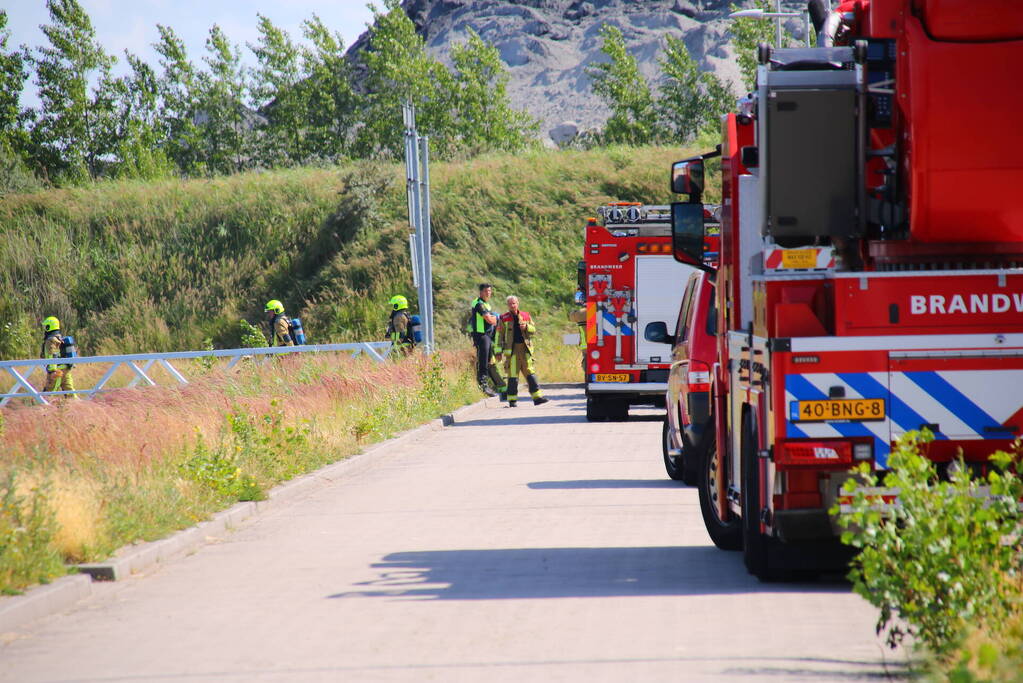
(726, 534)
(595, 409)
(674, 465)
(617, 409)
(754, 544)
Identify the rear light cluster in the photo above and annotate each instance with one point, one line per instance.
(822, 452)
(698, 377)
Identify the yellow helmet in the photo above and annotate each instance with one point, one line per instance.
(50, 324)
(274, 305)
(399, 302)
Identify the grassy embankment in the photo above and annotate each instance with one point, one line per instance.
(176, 264)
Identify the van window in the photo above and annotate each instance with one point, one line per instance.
(681, 328)
(712, 315)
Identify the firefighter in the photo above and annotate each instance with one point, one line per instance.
(482, 323)
(280, 326)
(515, 330)
(399, 327)
(58, 377)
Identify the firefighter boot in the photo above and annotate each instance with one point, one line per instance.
(500, 386)
(534, 390)
(513, 391)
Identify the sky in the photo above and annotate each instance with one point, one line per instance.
(131, 24)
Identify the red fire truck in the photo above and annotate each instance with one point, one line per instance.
(870, 280)
(630, 280)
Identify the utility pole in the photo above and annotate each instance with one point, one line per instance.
(417, 184)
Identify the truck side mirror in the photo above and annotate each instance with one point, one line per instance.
(657, 332)
(687, 236)
(687, 178)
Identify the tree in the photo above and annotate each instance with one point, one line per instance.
(179, 104)
(225, 122)
(619, 83)
(399, 69)
(689, 101)
(330, 103)
(139, 143)
(72, 131)
(483, 117)
(13, 75)
(276, 93)
(747, 34)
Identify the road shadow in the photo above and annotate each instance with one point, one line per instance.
(606, 484)
(512, 416)
(521, 419)
(517, 573)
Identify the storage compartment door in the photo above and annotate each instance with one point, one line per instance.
(964, 397)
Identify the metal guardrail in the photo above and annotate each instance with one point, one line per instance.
(140, 365)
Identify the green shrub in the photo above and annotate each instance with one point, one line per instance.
(27, 528)
(947, 557)
(251, 336)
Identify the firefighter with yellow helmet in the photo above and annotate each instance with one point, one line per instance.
(400, 326)
(280, 326)
(56, 345)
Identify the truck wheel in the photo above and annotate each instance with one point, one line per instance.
(726, 534)
(617, 409)
(754, 544)
(674, 465)
(595, 409)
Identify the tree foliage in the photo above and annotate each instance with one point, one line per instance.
(619, 83)
(330, 102)
(276, 93)
(179, 103)
(689, 101)
(226, 122)
(13, 74)
(398, 69)
(72, 130)
(483, 118)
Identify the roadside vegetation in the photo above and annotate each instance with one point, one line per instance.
(132, 266)
(945, 567)
(80, 479)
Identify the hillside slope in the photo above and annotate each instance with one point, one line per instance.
(170, 265)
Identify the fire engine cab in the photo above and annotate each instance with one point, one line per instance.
(630, 280)
(870, 280)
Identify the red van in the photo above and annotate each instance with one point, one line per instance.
(687, 421)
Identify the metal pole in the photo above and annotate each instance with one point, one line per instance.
(806, 28)
(427, 256)
(415, 259)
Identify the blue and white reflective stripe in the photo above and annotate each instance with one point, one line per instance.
(964, 404)
(899, 412)
(801, 388)
(609, 325)
(971, 404)
(953, 399)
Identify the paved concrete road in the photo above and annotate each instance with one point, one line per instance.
(520, 544)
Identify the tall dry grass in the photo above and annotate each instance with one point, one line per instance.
(135, 464)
